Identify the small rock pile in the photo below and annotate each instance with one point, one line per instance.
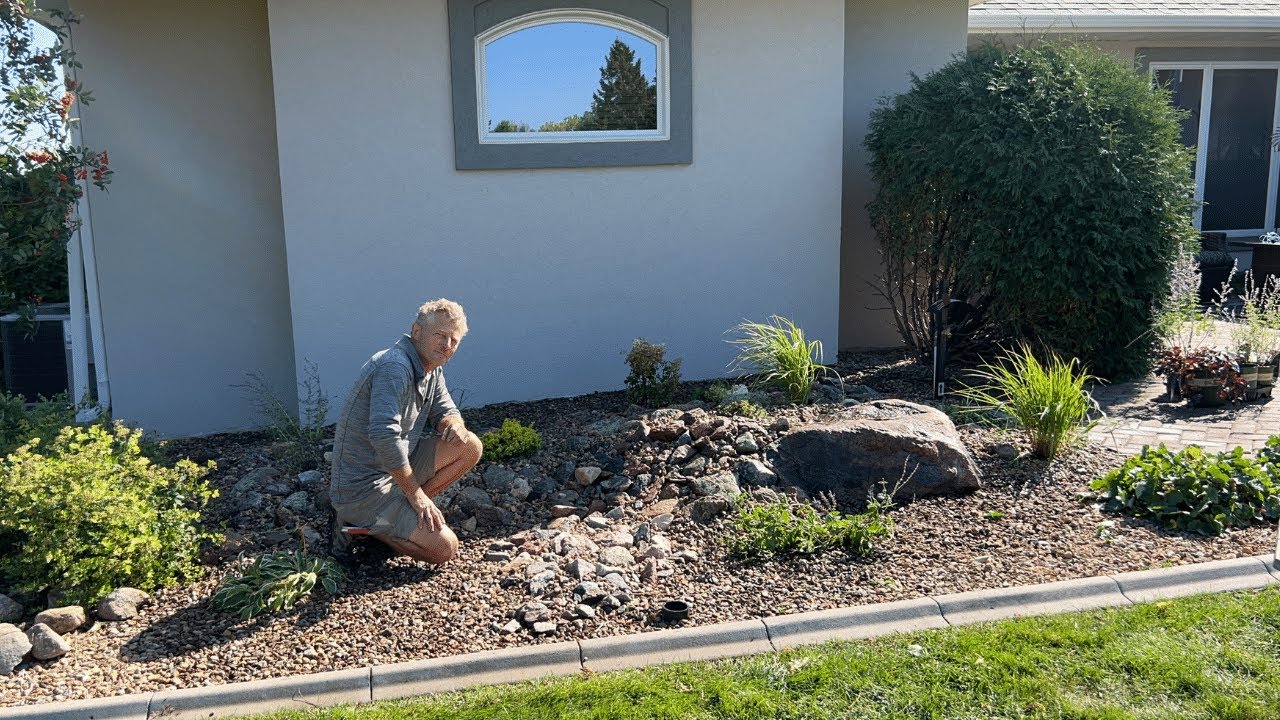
(43, 639)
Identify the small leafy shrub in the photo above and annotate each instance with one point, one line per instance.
(275, 582)
(778, 528)
(653, 379)
(300, 437)
(1190, 370)
(90, 513)
(778, 349)
(1193, 490)
(1046, 400)
(1046, 186)
(715, 393)
(44, 420)
(511, 440)
(747, 409)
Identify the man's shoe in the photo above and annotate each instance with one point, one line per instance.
(340, 543)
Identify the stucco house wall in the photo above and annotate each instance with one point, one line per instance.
(885, 41)
(286, 192)
(559, 269)
(189, 239)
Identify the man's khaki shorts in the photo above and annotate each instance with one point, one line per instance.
(386, 511)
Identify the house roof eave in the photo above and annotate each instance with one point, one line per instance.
(1097, 24)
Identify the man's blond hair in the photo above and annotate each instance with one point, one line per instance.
(442, 309)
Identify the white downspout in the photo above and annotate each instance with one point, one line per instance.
(84, 285)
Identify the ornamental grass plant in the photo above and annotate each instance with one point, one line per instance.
(1047, 400)
(779, 351)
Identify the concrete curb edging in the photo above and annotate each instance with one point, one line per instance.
(707, 642)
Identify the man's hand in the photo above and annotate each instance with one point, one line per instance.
(429, 516)
(452, 430)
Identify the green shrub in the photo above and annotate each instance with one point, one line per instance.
(715, 393)
(300, 436)
(275, 582)
(511, 440)
(90, 513)
(1047, 400)
(746, 409)
(1193, 490)
(1045, 185)
(777, 528)
(44, 420)
(653, 380)
(778, 349)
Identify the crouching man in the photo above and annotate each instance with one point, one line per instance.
(400, 441)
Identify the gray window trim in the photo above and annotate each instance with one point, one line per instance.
(1148, 55)
(469, 18)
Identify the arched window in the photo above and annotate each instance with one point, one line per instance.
(603, 83)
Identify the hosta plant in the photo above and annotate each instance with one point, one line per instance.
(1194, 490)
(275, 582)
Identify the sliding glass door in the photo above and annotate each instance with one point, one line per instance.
(1233, 115)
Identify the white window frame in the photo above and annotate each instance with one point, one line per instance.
(1206, 111)
(592, 17)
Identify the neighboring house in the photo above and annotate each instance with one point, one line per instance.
(1221, 61)
(293, 177)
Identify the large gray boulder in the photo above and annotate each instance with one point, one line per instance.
(14, 646)
(10, 610)
(878, 441)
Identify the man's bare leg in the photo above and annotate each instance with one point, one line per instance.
(451, 463)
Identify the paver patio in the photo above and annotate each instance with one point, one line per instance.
(1139, 413)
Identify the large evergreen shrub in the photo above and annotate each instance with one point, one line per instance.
(1045, 185)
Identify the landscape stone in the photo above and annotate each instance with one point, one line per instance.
(559, 511)
(278, 489)
(10, 610)
(722, 483)
(469, 498)
(581, 569)
(746, 443)
(498, 479)
(542, 628)
(589, 592)
(14, 646)
(310, 478)
(122, 604)
(753, 472)
(45, 643)
(879, 441)
(663, 521)
(616, 556)
(705, 509)
(298, 502)
(254, 478)
(62, 620)
(586, 475)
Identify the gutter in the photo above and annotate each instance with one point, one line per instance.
(979, 23)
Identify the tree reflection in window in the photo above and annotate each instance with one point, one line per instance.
(544, 80)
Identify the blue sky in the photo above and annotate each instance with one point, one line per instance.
(548, 73)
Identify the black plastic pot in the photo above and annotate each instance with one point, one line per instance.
(674, 611)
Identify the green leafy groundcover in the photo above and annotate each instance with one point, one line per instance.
(1194, 490)
(90, 512)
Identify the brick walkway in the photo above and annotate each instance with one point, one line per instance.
(1138, 414)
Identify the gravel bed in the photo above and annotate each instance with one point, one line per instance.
(1026, 525)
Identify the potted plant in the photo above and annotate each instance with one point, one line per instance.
(41, 171)
(1203, 377)
(1256, 331)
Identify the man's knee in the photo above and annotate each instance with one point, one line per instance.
(436, 548)
(474, 448)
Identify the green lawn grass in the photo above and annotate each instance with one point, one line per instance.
(1215, 657)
